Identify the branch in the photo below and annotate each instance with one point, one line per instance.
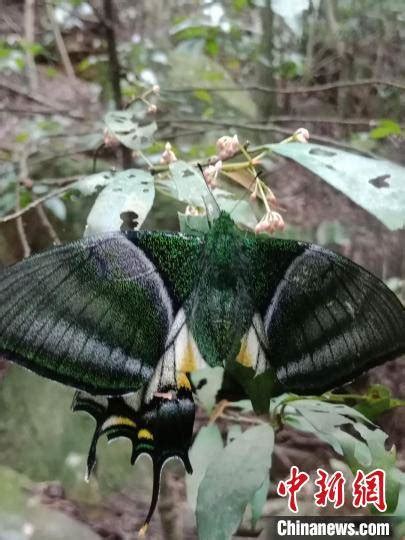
(260, 128)
(21, 211)
(29, 35)
(38, 98)
(19, 222)
(67, 64)
(297, 90)
(115, 70)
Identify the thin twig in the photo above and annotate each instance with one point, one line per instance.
(67, 64)
(115, 69)
(38, 98)
(21, 211)
(260, 128)
(43, 218)
(60, 181)
(19, 222)
(29, 35)
(297, 90)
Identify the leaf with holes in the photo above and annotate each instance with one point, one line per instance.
(231, 482)
(377, 185)
(90, 184)
(123, 204)
(350, 434)
(128, 130)
(190, 186)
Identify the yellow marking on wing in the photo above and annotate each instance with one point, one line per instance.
(145, 434)
(244, 357)
(182, 381)
(188, 362)
(118, 421)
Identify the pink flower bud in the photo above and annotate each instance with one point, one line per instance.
(109, 139)
(211, 173)
(168, 155)
(301, 135)
(152, 109)
(227, 146)
(156, 89)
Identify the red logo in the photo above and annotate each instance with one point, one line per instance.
(370, 489)
(291, 486)
(331, 488)
(366, 488)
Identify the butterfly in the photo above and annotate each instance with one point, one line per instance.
(126, 317)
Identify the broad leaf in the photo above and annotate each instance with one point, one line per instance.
(240, 210)
(90, 184)
(123, 204)
(193, 224)
(189, 184)
(377, 185)
(206, 447)
(126, 127)
(259, 500)
(231, 482)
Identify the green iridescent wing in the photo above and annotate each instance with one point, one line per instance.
(95, 314)
(325, 319)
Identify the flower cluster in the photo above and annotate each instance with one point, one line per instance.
(270, 222)
(227, 146)
(211, 173)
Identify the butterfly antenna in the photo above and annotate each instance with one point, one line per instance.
(210, 196)
(245, 193)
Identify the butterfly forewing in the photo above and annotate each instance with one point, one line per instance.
(94, 314)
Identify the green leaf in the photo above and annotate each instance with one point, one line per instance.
(190, 185)
(231, 482)
(90, 184)
(193, 224)
(377, 400)
(384, 129)
(126, 201)
(259, 500)
(363, 447)
(241, 211)
(374, 184)
(203, 95)
(126, 127)
(206, 447)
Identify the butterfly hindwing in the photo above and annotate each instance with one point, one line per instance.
(94, 314)
(161, 427)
